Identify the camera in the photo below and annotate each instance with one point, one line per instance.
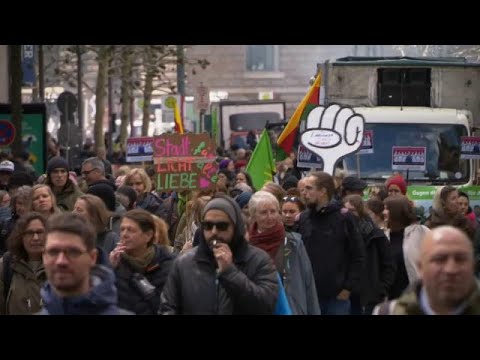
(143, 285)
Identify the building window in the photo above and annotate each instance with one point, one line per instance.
(262, 57)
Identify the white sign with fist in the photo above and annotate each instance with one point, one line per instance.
(332, 133)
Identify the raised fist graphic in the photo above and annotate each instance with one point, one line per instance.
(333, 132)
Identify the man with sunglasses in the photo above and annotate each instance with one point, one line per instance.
(76, 285)
(223, 275)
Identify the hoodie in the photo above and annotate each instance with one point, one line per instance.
(101, 299)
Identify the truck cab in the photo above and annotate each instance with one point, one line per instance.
(427, 103)
(238, 118)
(437, 130)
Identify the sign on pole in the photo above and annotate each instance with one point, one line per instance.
(139, 149)
(332, 133)
(470, 147)
(202, 98)
(184, 162)
(409, 158)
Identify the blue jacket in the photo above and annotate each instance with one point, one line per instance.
(101, 299)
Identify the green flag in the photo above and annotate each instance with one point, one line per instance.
(261, 166)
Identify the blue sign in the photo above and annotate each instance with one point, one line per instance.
(28, 65)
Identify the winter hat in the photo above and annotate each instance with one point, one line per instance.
(224, 163)
(104, 192)
(399, 181)
(243, 199)
(57, 162)
(7, 166)
(352, 183)
(222, 205)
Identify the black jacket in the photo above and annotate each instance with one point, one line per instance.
(335, 248)
(379, 270)
(250, 286)
(130, 296)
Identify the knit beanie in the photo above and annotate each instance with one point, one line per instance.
(399, 181)
(222, 205)
(57, 162)
(224, 163)
(243, 199)
(104, 192)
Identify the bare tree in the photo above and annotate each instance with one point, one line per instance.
(126, 90)
(16, 95)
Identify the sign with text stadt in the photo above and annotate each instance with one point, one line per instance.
(184, 162)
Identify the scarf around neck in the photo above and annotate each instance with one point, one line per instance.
(140, 264)
(268, 240)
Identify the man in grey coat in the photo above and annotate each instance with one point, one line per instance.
(224, 274)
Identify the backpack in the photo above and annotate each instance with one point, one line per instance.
(7, 273)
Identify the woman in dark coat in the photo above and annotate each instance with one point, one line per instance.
(141, 267)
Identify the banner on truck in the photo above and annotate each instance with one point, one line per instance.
(470, 147)
(367, 143)
(409, 158)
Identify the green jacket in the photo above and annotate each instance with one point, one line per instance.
(68, 196)
(409, 303)
(23, 297)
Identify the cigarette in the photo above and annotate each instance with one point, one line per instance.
(214, 242)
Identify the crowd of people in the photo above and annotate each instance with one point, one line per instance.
(106, 242)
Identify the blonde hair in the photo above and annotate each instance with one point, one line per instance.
(161, 231)
(143, 176)
(55, 209)
(123, 170)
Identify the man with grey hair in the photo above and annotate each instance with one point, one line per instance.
(448, 285)
(93, 170)
(224, 274)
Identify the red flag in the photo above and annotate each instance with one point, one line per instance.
(288, 135)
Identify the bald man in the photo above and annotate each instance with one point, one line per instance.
(448, 285)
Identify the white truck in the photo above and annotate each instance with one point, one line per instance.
(237, 118)
(428, 103)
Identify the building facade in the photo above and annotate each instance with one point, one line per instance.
(253, 72)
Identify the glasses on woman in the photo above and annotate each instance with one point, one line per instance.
(290, 199)
(29, 234)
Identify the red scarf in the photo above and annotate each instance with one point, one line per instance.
(268, 240)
